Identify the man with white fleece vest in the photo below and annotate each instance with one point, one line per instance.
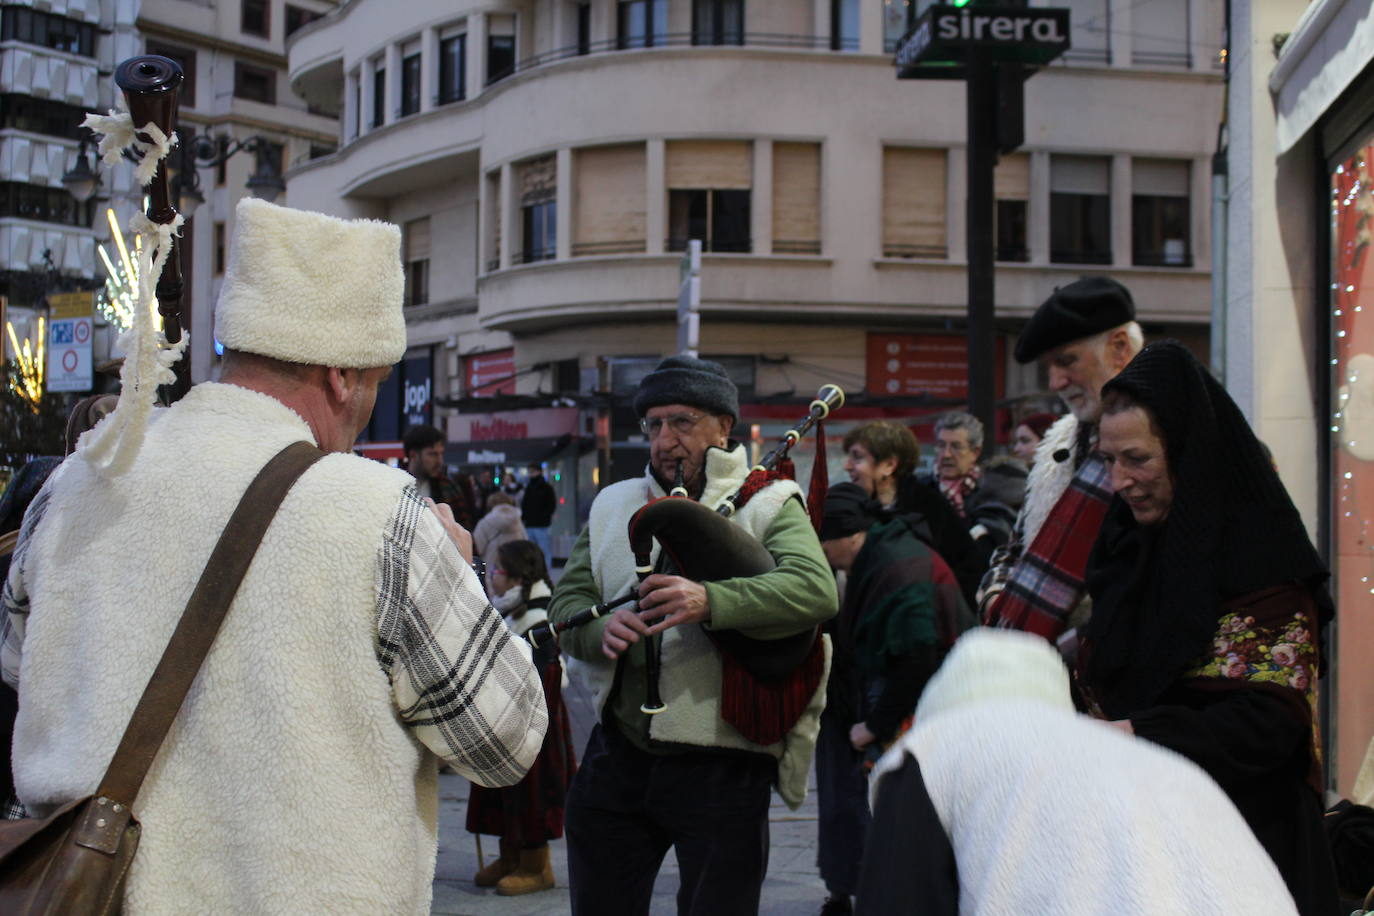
(300, 774)
(685, 778)
(1002, 799)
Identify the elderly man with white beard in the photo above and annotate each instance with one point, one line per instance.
(1084, 334)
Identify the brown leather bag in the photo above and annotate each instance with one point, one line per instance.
(75, 861)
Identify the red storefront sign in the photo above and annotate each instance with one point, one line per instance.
(926, 365)
(486, 374)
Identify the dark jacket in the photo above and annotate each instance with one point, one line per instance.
(538, 504)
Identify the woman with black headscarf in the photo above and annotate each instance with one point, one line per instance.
(1208, 600)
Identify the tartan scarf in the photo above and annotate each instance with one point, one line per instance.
(1048, 581)
(956, 490)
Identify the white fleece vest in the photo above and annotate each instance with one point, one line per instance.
(690, 680)
(1053, 813)
(287, 784)
(1049, 479)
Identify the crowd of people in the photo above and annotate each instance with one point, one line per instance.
(1080, 678)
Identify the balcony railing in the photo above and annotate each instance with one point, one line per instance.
(677, 40)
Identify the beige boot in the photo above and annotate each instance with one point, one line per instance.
(534, 874)
(498, 869)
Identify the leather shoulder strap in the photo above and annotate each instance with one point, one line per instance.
(201, 620)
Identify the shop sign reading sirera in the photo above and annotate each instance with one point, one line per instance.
(948, 33)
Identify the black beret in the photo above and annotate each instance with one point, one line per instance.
(691, 381)
(1081, 309)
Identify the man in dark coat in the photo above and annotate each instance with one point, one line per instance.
(902, 610)
(537, 507)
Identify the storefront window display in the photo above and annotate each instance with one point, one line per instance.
(1352, 463)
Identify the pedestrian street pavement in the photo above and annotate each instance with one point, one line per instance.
(792, 887)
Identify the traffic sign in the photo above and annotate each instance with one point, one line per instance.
(69, 354)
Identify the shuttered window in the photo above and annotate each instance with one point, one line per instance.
(609, 200)
(1011, 187)
(1159, 34)
(417, 261)
(913, 203)
(1011, 180)
(713, 164)
(1160, 213)
(536, 180)
(797, 198)
(1080, 210)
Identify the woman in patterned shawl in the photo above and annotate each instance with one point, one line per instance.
(1208, 602)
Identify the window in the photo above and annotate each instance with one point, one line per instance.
(609, 200)
(297, 18)
(257, 84)
(417, 261)
(255, 18)
(48, 30)
(220, 250)
(710, 186)
(540, 231)
(1159, 34)
(357, 107)
(500, 57)
(378, 97)
(796, 198)
(1090, 22)
(584, 28)
(1080, 210)
(642, 23)
(48, 205)
(720, 219)
(536, 184)
(452, 69)
(1011, 188)
(914, 203)
(186, 60)
(1160, 213)
(898, 18)
(410, 84)
(718, 22)
(318, 151)
(41, 116)
(844, 25)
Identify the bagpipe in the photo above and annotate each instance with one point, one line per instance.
(766, 683)
(151, 87)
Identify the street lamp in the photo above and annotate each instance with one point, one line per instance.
(205, 151)
(81, 181)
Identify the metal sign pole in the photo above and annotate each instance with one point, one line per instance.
(981, 88)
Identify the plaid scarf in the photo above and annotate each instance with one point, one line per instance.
(956, 490)
(1048, 581)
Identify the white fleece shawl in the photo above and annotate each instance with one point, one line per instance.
(1052, 813)
(287, 784)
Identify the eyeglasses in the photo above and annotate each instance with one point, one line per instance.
(955, 447)
(681, 424)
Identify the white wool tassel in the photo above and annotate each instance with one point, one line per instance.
(112, 445)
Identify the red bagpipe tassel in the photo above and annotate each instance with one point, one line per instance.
(820, 480)
(765, 711)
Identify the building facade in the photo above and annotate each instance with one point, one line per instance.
(549, 160)
(1299, 326)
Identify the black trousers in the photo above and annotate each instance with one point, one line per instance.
(842, 797)
(626, 808)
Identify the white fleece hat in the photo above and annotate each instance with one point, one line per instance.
(992, 664)
(309, 288)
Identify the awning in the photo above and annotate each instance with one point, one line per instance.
(1331, 45)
